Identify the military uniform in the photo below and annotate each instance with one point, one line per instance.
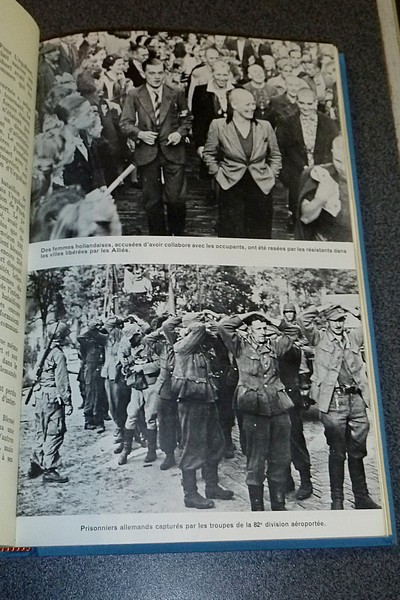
(340, 389)
(194, 388)
(161, 342)
(95, 408)
(143, 394)
(262, 398)
(53, 395)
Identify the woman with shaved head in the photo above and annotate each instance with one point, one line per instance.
(243, 155)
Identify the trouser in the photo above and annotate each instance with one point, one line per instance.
(202, 438)
(245, 211)
(225, 410)
(173, 191)
(118, 394)
(267, 439)
(167, 415)
(298, 446)
(50, 429)
(95, 401)
(346, 426)
(147, 399)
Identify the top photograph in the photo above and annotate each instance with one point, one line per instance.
(188, 134)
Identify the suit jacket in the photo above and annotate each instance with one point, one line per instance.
(225, 158)
(205, 108)
(248, 51)
(138, 115)
(134, 74)
(292, 147)
(281, 108)
(86, 173)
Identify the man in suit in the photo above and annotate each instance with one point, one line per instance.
(157, 119)
(305, 139)
(135, 66)
(243, 48)
(243, 155)
(210, 102)
(324, 206)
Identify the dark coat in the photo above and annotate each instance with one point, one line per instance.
(138, 115)
(205, 108)
(293, 150)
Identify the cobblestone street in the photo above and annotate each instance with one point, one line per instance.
(97, 484)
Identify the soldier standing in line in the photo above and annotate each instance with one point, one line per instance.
(194, 389)
(161, 341)
(140, 367)
(92, 343)
(290, 366)
(262, 398)
(340, 389)
(53, 402)
(118, 393)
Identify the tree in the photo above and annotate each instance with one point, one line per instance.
(43, 293)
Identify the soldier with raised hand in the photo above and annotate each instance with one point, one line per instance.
(340, 389)
(262, 398)
(194, 388)
(52, 404)
(292, 366)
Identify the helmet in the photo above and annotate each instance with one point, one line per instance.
(289, 307)
(58, 331)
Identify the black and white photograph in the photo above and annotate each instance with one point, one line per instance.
(188, 134)
(178, 388)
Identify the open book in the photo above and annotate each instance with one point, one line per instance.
(185, 335)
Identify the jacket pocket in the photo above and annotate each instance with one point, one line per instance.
(247, 400)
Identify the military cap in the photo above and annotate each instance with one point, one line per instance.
(289, 307)
(335, 313)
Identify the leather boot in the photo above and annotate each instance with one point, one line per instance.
(168, 462)
(360, 490)
(127, 447)
(289, 486)
(306, 488)
(276, 495)
(213, 489)
(229, 451)
(336, 478)
(192, 498)
(151, 455)
(256, 494)
(34, 470)
(119, 436)
(53, 476)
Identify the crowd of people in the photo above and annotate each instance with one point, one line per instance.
(185, 380)
(258, 114)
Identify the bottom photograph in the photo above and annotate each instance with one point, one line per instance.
(180, 388)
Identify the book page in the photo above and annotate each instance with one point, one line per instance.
(19, 39)
(195, 286)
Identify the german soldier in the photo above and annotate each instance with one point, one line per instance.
(340, 389)
(262, 398)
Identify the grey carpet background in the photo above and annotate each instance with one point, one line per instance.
(313, 574)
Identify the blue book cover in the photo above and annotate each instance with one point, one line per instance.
(199, 342)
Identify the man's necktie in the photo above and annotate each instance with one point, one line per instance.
(157, 105)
